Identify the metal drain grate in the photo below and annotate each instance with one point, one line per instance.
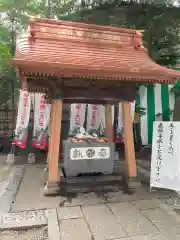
(32, 234)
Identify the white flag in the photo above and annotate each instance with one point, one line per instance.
(120, 117)
(21, 131)
(93, 116)
(77, 116)
(41, 122)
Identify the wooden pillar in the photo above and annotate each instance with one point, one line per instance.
(128, 139)
(108, 122)
(54, 146)
(50, 139)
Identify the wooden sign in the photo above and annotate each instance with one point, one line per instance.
(92, 153)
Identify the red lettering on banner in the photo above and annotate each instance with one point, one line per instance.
(94, 113)
(77, 119)
(42, 111)
(22, 120)
(25, 104)
(41, 120)
(43, 103)
(94, 107)
(78, 106)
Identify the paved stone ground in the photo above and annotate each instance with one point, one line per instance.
(30, 195)
(136, 220)
(4, 169)
(108, 216)
(31, 234)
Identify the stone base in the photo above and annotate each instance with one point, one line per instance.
(134, 183)
(130, 184)
(10, 158)
(31, 158)
(46, 173)
(52, 188)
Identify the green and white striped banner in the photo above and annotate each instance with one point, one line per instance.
(158, 101)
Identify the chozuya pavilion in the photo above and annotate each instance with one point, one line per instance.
(82, 63)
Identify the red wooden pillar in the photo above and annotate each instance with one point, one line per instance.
(129, 140)
(52, 185)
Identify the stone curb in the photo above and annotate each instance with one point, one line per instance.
(53, 225)
(10, 189)
(25, 219)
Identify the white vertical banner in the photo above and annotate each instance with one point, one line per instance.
(102, 119)
(143, 118)
(21, 131)
(33, 99)
(165, 159)
(158, 102)
(102, 115)
(41, 122)
(133, 104)
(77, 116)
(171, 101)
(113, 115)
(93, 116)
(120, 117)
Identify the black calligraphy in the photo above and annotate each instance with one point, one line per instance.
(102, 153)
(171, 137)
(77, 153)
(159, 142)
(90, 153)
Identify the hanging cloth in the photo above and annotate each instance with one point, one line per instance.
(93, 116)
(120, 117)
(41, 122)
(21, 131)
(77, 116)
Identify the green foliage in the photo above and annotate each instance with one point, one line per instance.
(161, 25)
(13, 20)
(54, 8)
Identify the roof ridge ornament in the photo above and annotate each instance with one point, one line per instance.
(137, 39)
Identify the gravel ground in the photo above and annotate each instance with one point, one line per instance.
(33, 234)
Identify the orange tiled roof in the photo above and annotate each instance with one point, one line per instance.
(81, 50)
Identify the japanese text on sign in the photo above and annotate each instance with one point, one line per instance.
(159, 150)
(171, 136)
(165, 160)
(90, 153)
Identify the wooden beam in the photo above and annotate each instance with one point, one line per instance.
(129, 139)
(108, 122)
(109, 94)
(54, 146)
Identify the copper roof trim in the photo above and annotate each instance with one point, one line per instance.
(31, 68)
(90, 51)
(58, 23)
